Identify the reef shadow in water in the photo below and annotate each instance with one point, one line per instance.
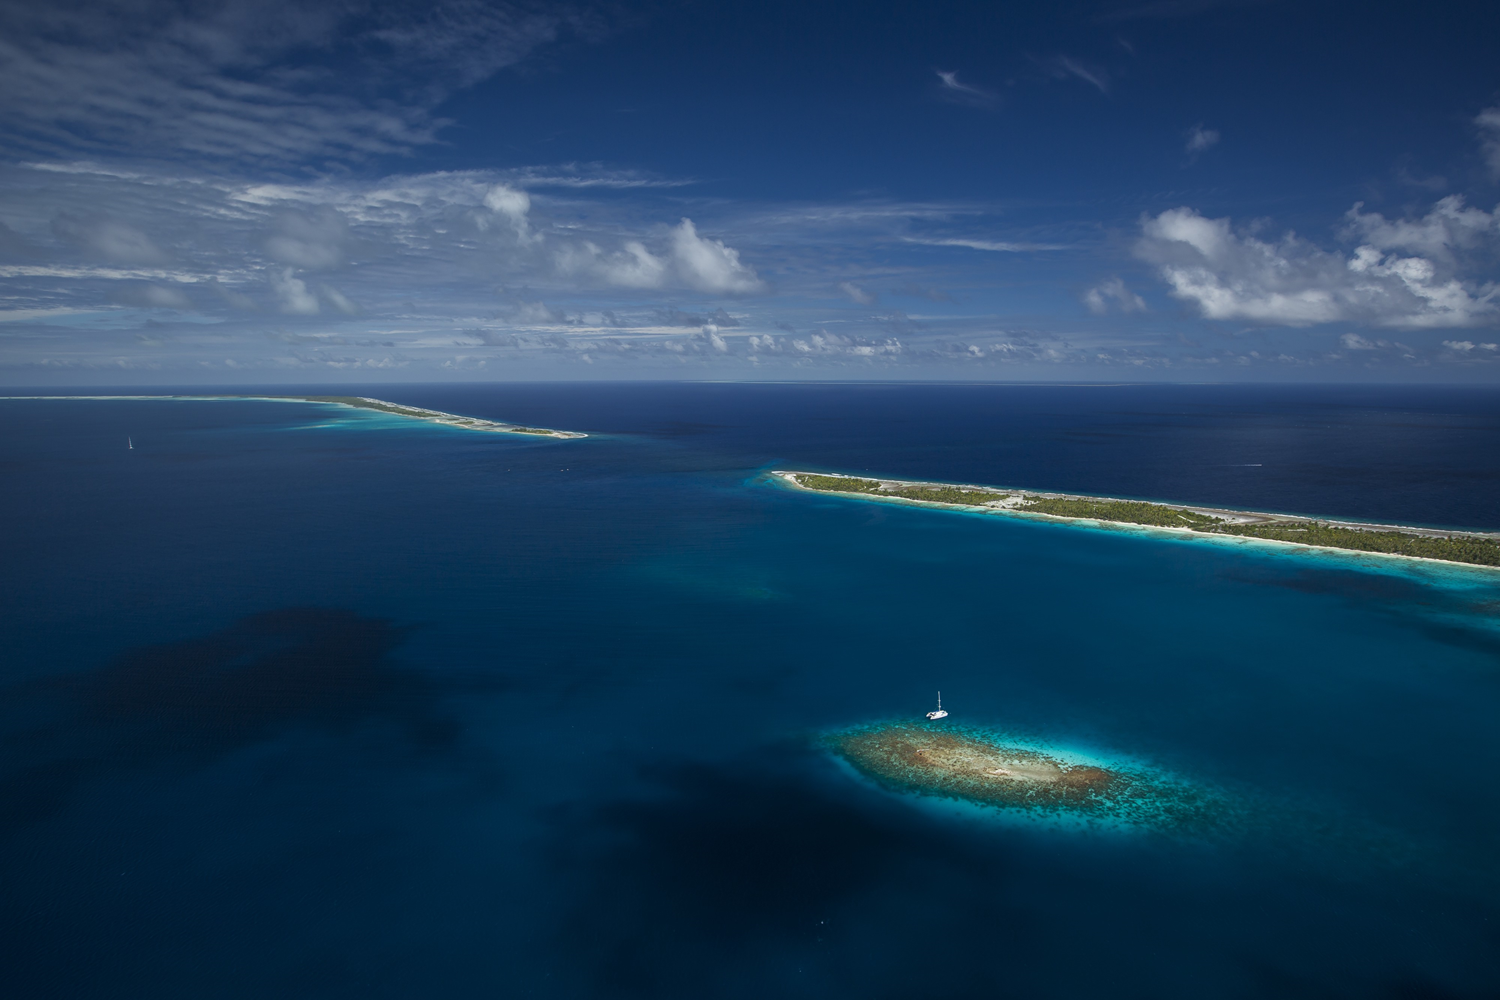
(774, 876)
(1467, 619)
(200, 699)
(732, 879)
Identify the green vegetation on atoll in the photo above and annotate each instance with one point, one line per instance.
(358, 401)
(1478, 551)
(1128, 511)
(1471, 548)
(929, 493)
(984, 768)
(837, 484)
(949, 494)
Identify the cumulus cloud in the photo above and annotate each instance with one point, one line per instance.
(1488, 122)
(1446, 230)
(825, 343)
(1112, 292)
(292, 294)
(107, 238)
(710, 266)
(693, 261)
(717, 342)
(632, 267)
(1293, 282)
(512, 205)
(1200, 138)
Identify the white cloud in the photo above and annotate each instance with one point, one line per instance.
(856, 293)
(705, 265)
(633, 267)
(269, 80)
(512, 205)
(1467, 346)
(419, 278)
(1200, 138)
(1488, 121)
(1100, 297)
(80, 272)
(712, 333)
(1292, 282)
(595, 175)
(825, 343)
(708, 265)
(1449, 227)
(994, 246)
(292, 293)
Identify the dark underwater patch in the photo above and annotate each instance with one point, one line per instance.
(1440, 614)
(198, 699)
(1344, 582)
(756, 878)
(771, 876)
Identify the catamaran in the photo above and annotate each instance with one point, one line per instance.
(939, 714)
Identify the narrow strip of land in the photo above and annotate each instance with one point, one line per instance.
(367, 403)
(1471, 547)
(436, 416)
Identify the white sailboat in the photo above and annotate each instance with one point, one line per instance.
(129, 445)
(939, 714)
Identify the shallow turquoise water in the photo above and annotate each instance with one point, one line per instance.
(546, 722)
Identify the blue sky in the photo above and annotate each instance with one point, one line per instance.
(236, 192)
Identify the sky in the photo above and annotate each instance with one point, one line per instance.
(266, 191)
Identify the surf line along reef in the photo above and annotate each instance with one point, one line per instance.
(432, 416)
(1473, 548)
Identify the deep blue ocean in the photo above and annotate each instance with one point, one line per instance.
(301, 701)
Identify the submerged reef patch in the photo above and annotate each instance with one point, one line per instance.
(987, 768)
